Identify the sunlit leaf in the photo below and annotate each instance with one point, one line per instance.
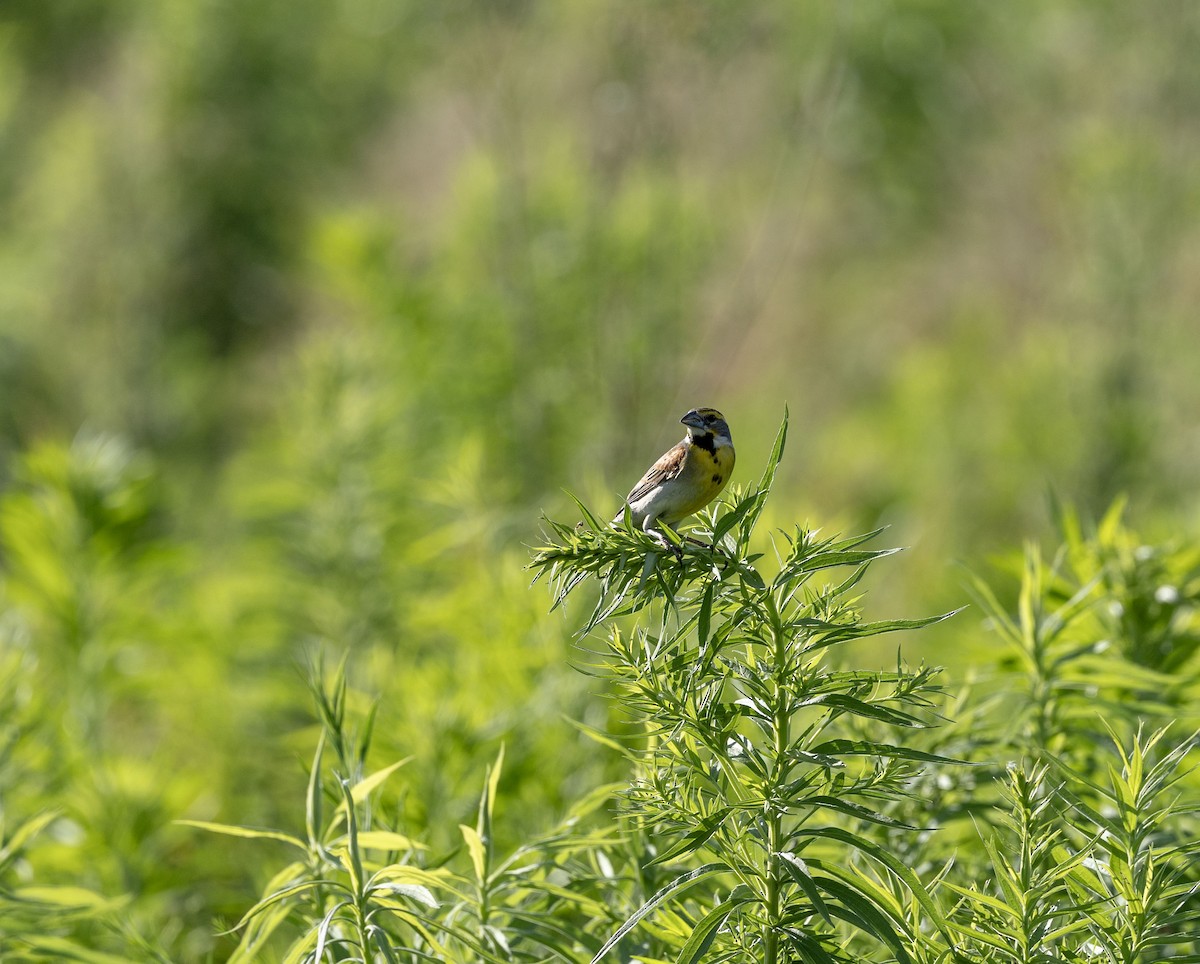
(248, 832)
(705, 931)
(676, 886)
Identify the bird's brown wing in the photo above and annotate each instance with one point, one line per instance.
(665, 469)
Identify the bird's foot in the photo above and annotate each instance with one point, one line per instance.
(675, 549)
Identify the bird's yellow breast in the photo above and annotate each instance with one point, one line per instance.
(703, 477)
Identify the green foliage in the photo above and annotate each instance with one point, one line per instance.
(358, 889)
(84, 568)
(346, 874)
(1110, 625)
(773, 798)
(750, 762)
(307, 309)
(1085, 871)
(1092, 857)
(1143, 882)
(1029, 913)
(780, 805)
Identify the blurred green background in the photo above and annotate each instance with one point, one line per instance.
(310, 309)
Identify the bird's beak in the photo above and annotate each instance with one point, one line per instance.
(693, 420)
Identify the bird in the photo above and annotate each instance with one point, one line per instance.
(687, 477)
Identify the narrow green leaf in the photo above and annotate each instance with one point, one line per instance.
(776, 456)
(301, 950)
(259, 929)
(589, 517)
(383, 943)
(25, 832)
(387, 840)
(417, 892)
(752, 578)
(979, 897)
(405, 914)
(821, 760)
(853, 542)
(856, 810)
(857, 707)
(493, 785)
(599, 736)
(865, 914)
(1006, 876)
(248, 832)
(674, 887)
(980, 936)
(705, 931)
(314, 800)
(476, 849)
(811, 951)
(869, 748)
(994, 609)
(764, 486)
(797, 869)
(647, 570)
(409, 875)
(257, 932)
(1051, 938)
(902, 625)
(363, 788)
(355, 864)
(831, 560)
(726, 522)
(695, 839)
(368, 729)
(568, 586)
(282, 895)
(704, 617)
(323, 929)
(824, 633)
(889, 860)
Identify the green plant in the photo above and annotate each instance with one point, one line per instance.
(1021, 909)
(346, 873)
(1106, 624)
(752, 781)
(357, 890)
(781, 805)
(1141, 880)
(1084, 871)
(1089, 850)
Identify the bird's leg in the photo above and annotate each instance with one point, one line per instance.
(658, 536)
(677, 550)
(711, 547)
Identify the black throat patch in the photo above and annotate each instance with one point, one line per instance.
(707, 441)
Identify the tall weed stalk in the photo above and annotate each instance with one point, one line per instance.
(753, 781)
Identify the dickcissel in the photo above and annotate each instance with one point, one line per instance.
(687, 477)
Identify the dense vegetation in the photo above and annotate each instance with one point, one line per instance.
(310, 310)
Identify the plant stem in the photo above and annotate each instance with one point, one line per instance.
(781, 726)
(770, 930)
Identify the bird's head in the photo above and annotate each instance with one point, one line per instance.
(703, 422)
